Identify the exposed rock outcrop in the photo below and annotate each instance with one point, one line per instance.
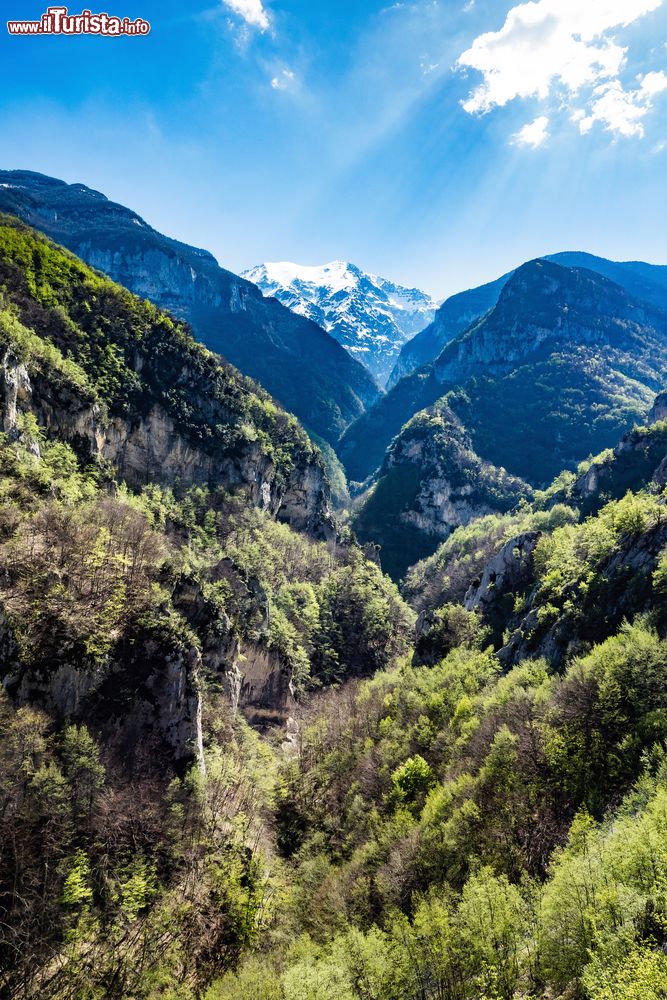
(623, 589)
(431, 483)
(149, 690)
(256, 680)
(301, 365)
(150, 448)
(509, 572)
(658, 410)
(639, 458)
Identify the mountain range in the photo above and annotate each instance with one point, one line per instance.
(370, 316)
(540, 368)
(561, 366)
(645, 281)
(237, 761)
(558, 368)
(302, 367)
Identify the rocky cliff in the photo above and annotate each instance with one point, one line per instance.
(302, 367)
(567, 571)
(122, 381)
(624, 587)
(430, 483)
(639, 459)
(563, 364)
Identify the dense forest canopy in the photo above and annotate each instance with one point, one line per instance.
(238, 763)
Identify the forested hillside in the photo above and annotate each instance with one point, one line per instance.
(236, 763)
(295, 360)
(150, 603)
(559, 368)
(489, 820)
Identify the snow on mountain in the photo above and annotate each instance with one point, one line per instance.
(369, 315)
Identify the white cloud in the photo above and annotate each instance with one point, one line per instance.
(533, 134)
(252, 11)
(620, 110)
(283, 80)
(653, 83)
(562, 45)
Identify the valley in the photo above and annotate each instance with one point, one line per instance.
(312, 688)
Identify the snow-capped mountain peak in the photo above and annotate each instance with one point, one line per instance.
(336, 275)
(369, 315)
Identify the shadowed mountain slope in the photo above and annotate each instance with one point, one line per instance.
(302, 367)
(562, 365)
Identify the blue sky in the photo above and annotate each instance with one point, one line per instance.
(436, 143)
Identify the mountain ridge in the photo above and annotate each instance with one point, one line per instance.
(645, 281)
(553, 330)
(124, 383)
(304, 368)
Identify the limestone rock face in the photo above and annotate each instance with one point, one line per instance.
(660, 474)
(431, 482)
(254, 677)
(177, 703)
(154, 693)
(16, 391)
(164, 276)
(150, 448)
(639, 457)
(266, 692)
(625, 590)
(304, 368)
(509, 571)
(659, 409)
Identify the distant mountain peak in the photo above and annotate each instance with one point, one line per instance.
(647, 282)
(370, 316)
(335, 275)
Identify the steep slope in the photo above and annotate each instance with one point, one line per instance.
(643, 281)
(515, 775)
(639, 458)
(151, 604)
(369, 315)
(302, 367)
(558, 369)
(454, 315)
(127, 384)
(430, 483)
(552, 577)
